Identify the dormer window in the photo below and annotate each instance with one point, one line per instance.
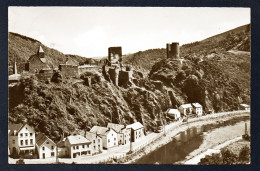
(47, 142)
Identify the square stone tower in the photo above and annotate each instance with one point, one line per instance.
(115, 55)
(172, 50)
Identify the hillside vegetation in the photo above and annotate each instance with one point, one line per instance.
(216, 77)
(21, 48)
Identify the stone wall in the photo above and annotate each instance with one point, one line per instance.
(172, 50)
(69, 70)
(113, 73)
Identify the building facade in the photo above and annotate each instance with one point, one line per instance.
(77, 146)
(36, 62)
(21, 139)
(96, 142)
(185, 109)
(174, 113)
(123, 133)
(46, 148)
(137, 131)
(109, 136)
(197, 109)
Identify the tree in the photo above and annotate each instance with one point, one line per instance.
(228, 157)
(57, 77)
(244, 154)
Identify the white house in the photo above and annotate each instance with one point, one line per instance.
(174, 113)
(197, 109)
(109, 136)
(244, 106)
(77, 146)
(96, 142)
(46, 148)
(123, 133)
(21, 138)
(185, 109)
(137, 131)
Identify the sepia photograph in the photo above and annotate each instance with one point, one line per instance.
(129, 85)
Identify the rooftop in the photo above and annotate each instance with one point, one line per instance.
(41, 138)
(186, 105)
(91, 136)
(135, 126)
(99, 130)
(77, 139)
(174, 111)
(196, 105)
(13, 127)
(116, 127)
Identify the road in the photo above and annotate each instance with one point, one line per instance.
(120, 151)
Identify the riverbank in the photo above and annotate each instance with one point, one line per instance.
(216, 140)
(172, 131)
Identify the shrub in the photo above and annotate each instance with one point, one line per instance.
(244, 154)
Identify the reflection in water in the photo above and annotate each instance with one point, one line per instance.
(182, 144)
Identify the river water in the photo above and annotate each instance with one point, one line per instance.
(183, 144)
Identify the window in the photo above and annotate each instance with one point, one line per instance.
(114, 138)
(26, 128)
(52, 147)
(26, 142)
(83, 146)
(94, 147)
(114, 143)
(93, 141)
(21, 134)
(98, 140)
(31, 134)
(88, 146)
(21, 142)
(26, 134)
(13, 141)
(98, 146)
(73, 147)
(47, 142)
(31, 141)
(43, 148)
(77, 147)
(52, 153)
(108, 140)
(112, 135)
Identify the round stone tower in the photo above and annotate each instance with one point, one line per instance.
(172, 50)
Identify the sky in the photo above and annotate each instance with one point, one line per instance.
(89, 31)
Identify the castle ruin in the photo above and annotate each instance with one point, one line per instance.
(172, 50)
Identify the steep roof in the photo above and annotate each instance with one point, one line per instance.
(116, 127)
(41, 138)
(196, 105)
(43, 60)
(99, 130)
(13, 127)
(91, 136)
(77, 139)
(186, 105)
(40, 49)
(173, 111)
(135, 126)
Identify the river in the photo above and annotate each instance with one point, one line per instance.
(183, 144)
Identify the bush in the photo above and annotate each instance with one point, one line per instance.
(244, 154)
(57, 77)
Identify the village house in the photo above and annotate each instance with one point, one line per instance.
(185, 109)
(63, 151)
(123, 133)
(96, 142)
(174, 113)
(77, 146)
(21, 139)
(244, 107)
(109, 136)
(137, 131)
(46, 148)
(36, 62)
(197, 109)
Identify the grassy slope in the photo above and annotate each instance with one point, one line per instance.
(21, 48)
